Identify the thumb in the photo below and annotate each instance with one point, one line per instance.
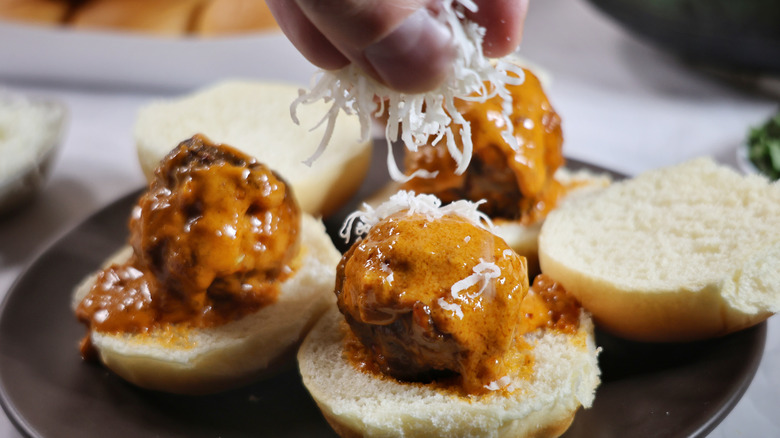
(399, 42)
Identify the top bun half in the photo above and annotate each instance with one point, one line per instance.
(682, 253)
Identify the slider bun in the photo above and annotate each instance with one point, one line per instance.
(677, 254)
(205, 360)
(254, 117)
(169, 17)
(221, 17)
(360, 404)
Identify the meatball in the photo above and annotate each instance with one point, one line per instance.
(517, 185)
(433, 297)
(215, 220)
(211, 239)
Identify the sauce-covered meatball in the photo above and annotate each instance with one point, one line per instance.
(211, 237)
(215, 219)
(432, 297)
(517, 184)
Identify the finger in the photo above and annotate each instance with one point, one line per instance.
(503, 23)
(398, 42)
(305, 36)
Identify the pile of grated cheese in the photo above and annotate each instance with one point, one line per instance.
(484, 273)
(426, 117)
(428, 205)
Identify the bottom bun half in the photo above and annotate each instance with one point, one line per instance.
(543, 404)
(205, 360)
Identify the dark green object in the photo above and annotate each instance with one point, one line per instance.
(764, 147)
(730, 34)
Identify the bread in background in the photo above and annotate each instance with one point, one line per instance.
(166, 17)
(223, 17)
(34, 11)
(358, 403)
(169, 17)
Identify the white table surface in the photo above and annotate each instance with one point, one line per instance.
(624, 104)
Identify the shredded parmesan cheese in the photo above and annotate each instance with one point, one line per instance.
(502, 383)
(452, 307)
(483, 272)
(384, 267)
(425, 117)
(427, 205)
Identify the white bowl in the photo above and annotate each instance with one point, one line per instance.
(31, 131)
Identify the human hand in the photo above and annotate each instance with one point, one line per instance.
(398, 42)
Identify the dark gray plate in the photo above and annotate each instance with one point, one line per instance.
(46, 390)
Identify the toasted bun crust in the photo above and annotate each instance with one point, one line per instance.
(677, 254)
(358, 404)
(171, 17)
(198, 361)
(34, 11)
(220, 17)
(254, 117)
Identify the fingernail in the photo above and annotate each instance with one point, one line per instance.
(414, 57)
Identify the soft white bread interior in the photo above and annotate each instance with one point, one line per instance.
(355, 403)
(524, 239)
(205, 360)
(254, 117)
(676, 254)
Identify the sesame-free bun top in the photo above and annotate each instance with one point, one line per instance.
(254, 117)
(681, 253)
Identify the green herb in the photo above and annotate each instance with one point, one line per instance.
(764, 147)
